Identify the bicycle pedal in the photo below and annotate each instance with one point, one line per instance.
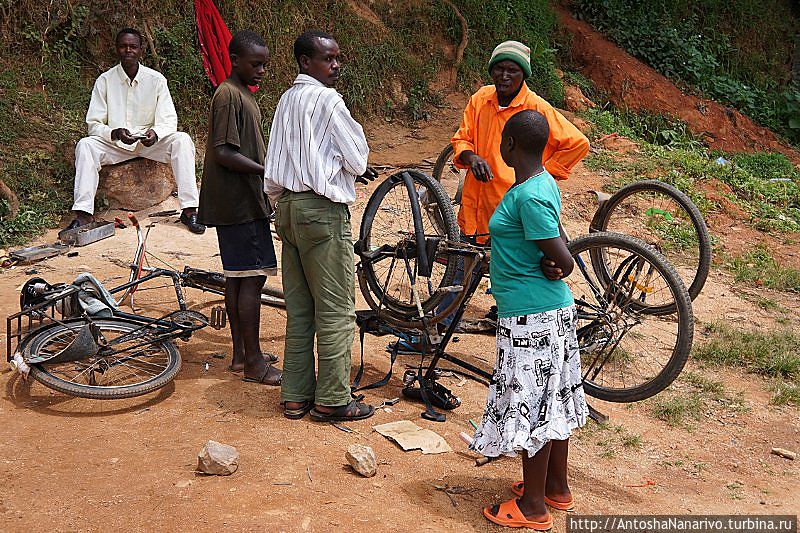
(218, 317)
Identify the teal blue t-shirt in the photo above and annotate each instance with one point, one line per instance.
(528, 212)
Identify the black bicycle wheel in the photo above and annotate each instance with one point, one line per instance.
(628, 354)
(129, 365)
(449, 176)
(667, 219)
(387, 239)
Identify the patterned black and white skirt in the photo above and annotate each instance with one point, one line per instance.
(536, 394)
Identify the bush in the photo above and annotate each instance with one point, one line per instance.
(735, 51)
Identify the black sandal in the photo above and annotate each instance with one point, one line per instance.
(345, 413)
(298, 412)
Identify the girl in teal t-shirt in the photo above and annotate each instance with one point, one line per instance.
(536, 397)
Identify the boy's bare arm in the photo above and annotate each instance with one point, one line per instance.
(229, 157)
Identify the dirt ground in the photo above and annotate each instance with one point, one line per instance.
(83, 465)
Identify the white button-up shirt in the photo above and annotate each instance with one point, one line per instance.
(314, 144)
(138, 105)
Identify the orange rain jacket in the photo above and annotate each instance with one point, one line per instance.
(480, 132)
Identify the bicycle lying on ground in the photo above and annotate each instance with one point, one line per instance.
(635, 323)
(108, 354)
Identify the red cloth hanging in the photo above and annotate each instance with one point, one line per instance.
(214, 39)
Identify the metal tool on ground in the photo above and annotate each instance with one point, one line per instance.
(88, 233)
(32, 254)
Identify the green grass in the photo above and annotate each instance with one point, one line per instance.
(759, 267)
(784, 393)
(775, 355)
(677, 409)
(764, 185)
(690, 397)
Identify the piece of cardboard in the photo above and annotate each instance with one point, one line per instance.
(411, 437)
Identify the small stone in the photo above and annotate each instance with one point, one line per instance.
(114, 460)
(217, 459)
(362, 459)
(182, 484)
(786, 454)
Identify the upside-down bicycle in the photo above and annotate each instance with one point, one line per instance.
(653, 211)
(635, 323)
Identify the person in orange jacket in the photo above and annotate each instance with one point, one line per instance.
(476, 144)
(476, 147)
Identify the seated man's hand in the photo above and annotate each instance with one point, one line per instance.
(367, 176)
(150, 138)
(550, 270)
(479, 167)
(122, 134)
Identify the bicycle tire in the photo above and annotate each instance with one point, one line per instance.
(382, 289)
(44, 373)
(453, 182)
(655, 347)
(622, 213)
(214, 282)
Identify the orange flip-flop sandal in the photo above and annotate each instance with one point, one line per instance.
(518, 488)
(509, 515)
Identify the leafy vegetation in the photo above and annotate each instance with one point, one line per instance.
(426, 26)
(735, 51)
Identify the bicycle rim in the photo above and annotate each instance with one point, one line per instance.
(122, 370)
(449, 176)
(665, 218)
(388, 222)
(628, 354)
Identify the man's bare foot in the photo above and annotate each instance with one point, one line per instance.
(266, 375)
(238, 366)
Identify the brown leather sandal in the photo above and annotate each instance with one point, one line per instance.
(352, 411)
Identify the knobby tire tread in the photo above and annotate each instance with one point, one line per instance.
(683, 305)
(605, 212)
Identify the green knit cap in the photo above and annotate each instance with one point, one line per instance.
(516, 52)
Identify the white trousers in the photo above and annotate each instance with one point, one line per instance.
(91, 153)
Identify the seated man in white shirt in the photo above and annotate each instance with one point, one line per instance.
(131, 115)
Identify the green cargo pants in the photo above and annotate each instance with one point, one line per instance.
(318, 285)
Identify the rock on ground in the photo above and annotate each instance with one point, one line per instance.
(135, 184)
(362, 459)
(217, 459)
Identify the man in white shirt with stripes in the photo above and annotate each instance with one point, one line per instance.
(131, 115)
(316, 153)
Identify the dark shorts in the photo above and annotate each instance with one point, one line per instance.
(247, 249)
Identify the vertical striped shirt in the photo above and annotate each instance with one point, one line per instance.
(314, 144)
